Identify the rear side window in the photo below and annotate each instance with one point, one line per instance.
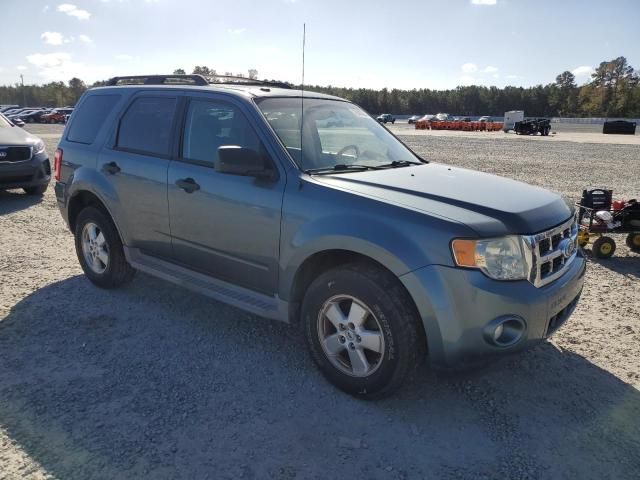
(90, 117)
(146, 125)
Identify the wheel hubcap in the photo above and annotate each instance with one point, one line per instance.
(95, 248)
(351, 336)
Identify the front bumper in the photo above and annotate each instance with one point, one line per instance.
(30, 173)
(457, 304)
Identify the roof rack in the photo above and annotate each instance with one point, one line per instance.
(158, 80)
(238, 80)
(194, 79)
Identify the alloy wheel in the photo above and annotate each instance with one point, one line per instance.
(351, 336)
(95, 248)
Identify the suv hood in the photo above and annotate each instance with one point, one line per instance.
(16, 136)
(488, 204)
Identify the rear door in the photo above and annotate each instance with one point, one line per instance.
(227, 226)
(136, 166)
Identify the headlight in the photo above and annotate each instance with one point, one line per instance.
(499, 258)
(38, 147)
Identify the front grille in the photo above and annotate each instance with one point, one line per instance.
(551, 252)
(14, 154)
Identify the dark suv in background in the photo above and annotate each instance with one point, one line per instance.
(23, 160)
(386, 117)
(311, 212)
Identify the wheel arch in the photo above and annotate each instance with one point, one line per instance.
(322, 261)
(86, 198)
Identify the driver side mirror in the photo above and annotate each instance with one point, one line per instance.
(236, 160)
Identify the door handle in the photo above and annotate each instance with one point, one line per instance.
(189, 185)
(111, 167)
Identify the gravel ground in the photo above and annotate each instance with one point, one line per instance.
(153, 381)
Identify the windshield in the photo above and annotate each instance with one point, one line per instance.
(334, 133)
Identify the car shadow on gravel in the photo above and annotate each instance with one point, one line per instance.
(152, 381)
(12, 201)
(627, 266)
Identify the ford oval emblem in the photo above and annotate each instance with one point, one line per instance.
(567, 247)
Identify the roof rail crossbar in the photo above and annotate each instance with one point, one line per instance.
(194, 79)
(238, 80)
(158, 80)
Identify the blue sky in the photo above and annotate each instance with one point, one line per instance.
(374, 43)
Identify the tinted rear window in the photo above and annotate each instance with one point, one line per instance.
(146, 126)
(89, 118)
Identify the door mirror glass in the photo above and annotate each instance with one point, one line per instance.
(247, 162)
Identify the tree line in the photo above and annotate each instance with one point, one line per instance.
(613, 91)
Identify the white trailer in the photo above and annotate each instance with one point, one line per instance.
(510, 119)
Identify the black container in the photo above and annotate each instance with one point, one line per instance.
(621, 127)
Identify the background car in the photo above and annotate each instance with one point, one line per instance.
(442, 117)
(20, 114)
(386, 117)
(484, 118)
(14, 111)
(413, 118)
(23, 160)
(35, 116)
(4, 108)
(57, 115)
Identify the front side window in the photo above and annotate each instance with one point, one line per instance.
(212, 124)
(330, 133)
(146, 125)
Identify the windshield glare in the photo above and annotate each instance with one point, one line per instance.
(334, 133)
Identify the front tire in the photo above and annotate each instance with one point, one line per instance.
(99, 249)
(362, 330)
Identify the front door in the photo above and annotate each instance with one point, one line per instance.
(227, 226)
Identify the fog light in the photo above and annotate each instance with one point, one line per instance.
(505, 331)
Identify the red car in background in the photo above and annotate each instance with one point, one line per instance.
(57, 116)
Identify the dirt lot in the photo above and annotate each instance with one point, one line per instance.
(153, 381)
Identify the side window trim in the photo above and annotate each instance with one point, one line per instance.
(130, 102)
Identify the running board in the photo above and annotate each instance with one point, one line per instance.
(242, 298)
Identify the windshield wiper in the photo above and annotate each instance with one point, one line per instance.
(342, 167)
(399, 163)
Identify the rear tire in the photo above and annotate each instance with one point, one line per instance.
(362, 330)
(99, 249)
(39, 190)
(603, 247)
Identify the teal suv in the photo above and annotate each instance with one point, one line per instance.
(304, 209)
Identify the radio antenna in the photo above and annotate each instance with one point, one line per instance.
(304, 36)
